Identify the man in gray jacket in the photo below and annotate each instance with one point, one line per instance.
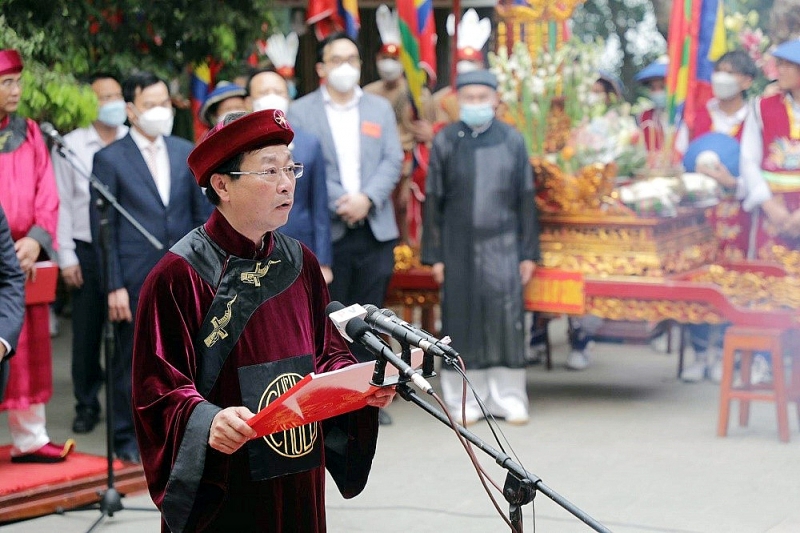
(363, 157)
(12, 299)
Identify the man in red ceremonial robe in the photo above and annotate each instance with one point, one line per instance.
(770, 164)
(233, 308)
(29, 196)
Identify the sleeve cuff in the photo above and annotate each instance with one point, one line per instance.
(67, 258)
(7, 345)
(44, 239)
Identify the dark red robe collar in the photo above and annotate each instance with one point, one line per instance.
(233, 242)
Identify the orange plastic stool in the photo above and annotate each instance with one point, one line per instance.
(747, 340)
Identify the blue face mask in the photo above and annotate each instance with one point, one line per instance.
(292, 90)
(113, 113)
(475, 115)
(659, 99)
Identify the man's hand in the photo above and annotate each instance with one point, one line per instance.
(119, 306)
(719, 173)
(776, 212)
(792, 225)
(229, 429)
(327, 273)
(437, 270)
(526, 270)
(353, 207)
(73, 277)
(2, 351)
(27, 253)
(381, 397)
(422, 130)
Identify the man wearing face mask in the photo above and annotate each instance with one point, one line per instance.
(652, 121)
(363, 158)
(77, 258)
(147, 172)
(481, 237)
(309, 221)
(415, 127)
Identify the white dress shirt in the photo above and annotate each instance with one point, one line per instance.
(162, 177)
(74, 190)
(721, 122)
(345, 123)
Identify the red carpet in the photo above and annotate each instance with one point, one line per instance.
(28, 490)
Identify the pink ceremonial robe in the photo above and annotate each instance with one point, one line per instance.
(29, 197)
(730, 221)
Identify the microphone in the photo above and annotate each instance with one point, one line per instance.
(49, 130)
(385, 321)
(356, 330)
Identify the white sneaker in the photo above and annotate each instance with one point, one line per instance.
(517, 414)
(577, 360)
(715, 372)
(694, 372)
(54, 325)
(760, 371)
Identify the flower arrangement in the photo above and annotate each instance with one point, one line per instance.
(743, 33)
(546, 95)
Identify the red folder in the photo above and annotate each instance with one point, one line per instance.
(320, 396)
(41, 288)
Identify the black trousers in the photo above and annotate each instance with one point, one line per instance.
(121, 369)
(362, 268)
(88, 310)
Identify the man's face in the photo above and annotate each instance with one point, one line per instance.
(10, 92)
(788, 75)
(477, 94)
(156, 95)
(336, 54)
(229, 105)
(107, 90)
(268, 83)
(656, 85)
(744, 81)
(259, 202)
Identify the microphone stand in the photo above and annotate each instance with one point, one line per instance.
(110, 500)
(520, 485)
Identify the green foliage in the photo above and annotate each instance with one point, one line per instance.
(49, 94)
(64, 40)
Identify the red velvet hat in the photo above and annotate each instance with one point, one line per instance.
(10, 62)
(223, 141)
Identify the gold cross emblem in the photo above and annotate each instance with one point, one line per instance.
(280, 119)
(254, 277)
(219, 325)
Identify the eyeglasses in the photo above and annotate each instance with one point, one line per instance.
(336, 61)
(292, 171)
(9, 83)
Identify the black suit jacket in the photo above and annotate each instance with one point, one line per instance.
(12, 296)
(124, 171)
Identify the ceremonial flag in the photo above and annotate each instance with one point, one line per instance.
(348, 11)
(696, 40)
(201, 83)
(418, 50)
(330, 16)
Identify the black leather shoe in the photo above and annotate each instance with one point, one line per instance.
(130, 456)
(85, 421)
(383, 418)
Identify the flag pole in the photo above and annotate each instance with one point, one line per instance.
(454, 43)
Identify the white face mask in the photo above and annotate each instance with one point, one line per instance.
(594, 98)
(389, 69)
(724, 85)
(344, 77)
(466, 66)
(271, 101)
(156, 121)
